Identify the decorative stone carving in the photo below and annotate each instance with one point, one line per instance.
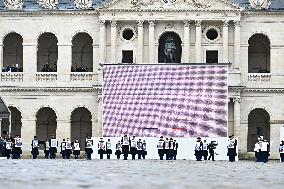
(140, 23)
(13, 4)
(140, 3)
(170, 26)
(186, 23)
(83, 4)
(48, 4)
(198, 23)
(260, 4)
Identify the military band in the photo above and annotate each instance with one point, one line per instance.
(12, 147)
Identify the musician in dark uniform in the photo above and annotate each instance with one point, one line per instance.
(205, 150)
(167, 149)
(198, 149)
(118, 149)
(161, 147)
(133, 147)
(35, 146)
(175, 150)
(53, 144)
(139, 148)
(101, 148)
(108, 148)
(144, 149)
(232, 148)
(17, 147)
(89, 147)
(46, 149)
(63, 149)
(68, 148)
(281, 151)
(76, 149)
(125, 146)
(8, 145)
(171, 149)
(211, 147)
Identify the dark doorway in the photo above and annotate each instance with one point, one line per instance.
(258, 125)
(127, 56)
(211, 56)
(170, 48)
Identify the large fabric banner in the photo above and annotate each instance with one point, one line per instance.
(168, 100)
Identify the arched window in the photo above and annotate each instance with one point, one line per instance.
(13, 53)
(82, 53)
(259, 54)
(47, 53)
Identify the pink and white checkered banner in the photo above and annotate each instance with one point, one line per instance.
(168, 100)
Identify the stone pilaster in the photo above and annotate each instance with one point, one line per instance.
(97, 124)
(96, 65)
(102, 41)
(198, 35)
(63, 130)
(237, 44)
(151, 41)
(275, 139)
(226, 41)
(186, 39)
(29, 61)
(237, 116)
(28, 132)
(113, 37)
(140, 40)
(64, 62)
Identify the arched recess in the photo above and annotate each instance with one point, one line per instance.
(170, 49)
(16, 123)
(258, 125)
(47, 53)
(46, 123)
(259, 54)
(81, 125)
(82, 53)
(13, 53)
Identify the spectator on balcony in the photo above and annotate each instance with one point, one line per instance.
(12, 68)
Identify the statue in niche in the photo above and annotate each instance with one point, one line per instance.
(170, 50)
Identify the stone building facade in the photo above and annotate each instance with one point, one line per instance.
(51, 51)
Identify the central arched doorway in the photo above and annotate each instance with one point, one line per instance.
(81, 125)
(258, 125)
(46, 123)
(170, 49)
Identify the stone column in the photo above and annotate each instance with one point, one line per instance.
(63, 130)
(64, 62)
(151, 41)
(113, 40)
(237, 44)
(140, 40)
(102, 41)
(198, 41)
(186, 42)
(225, 41)
(28, 132)
(29, 61)
(0, 127)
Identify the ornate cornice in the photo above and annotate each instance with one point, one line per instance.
(264, 90)
(51, 89)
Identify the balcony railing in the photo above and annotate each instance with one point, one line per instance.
(83, 76)
(46, 76)
(259, 77)
(11, 76)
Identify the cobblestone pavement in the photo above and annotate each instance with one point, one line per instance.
(139, 174)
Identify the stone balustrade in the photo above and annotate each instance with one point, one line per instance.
(11, 76)
(259, 77)
(83, 76)
(46, 76)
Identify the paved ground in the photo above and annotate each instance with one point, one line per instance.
(112, 174)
